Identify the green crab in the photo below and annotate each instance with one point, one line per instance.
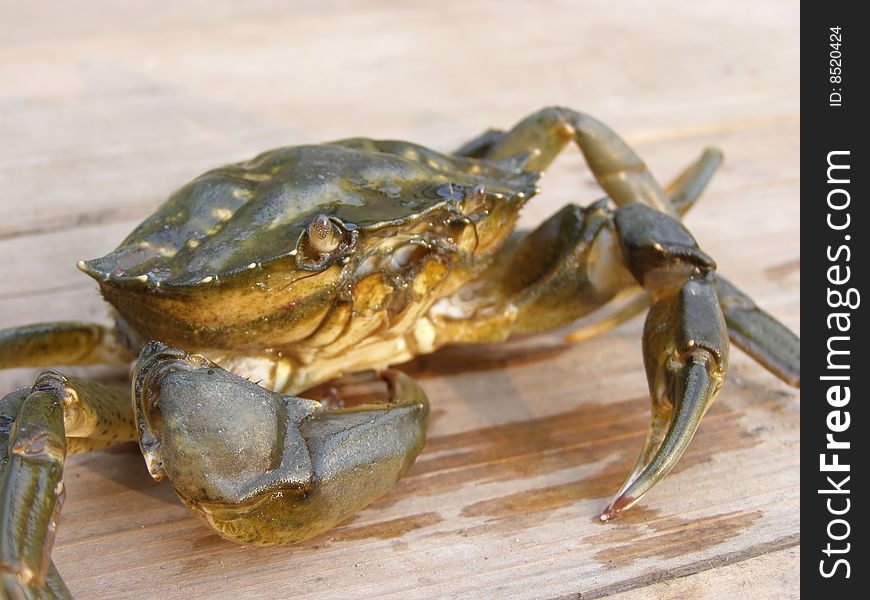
(308, 262)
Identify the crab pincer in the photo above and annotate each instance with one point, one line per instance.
(685, 340)
(265, 468)
(686, 350)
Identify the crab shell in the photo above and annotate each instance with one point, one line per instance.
(226, 263)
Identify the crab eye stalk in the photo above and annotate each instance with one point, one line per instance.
(323, 241)
(323, 235)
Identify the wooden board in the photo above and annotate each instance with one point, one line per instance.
(107, 107)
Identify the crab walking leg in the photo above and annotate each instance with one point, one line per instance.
(685, 340)
(688, 186)
(579, 260)
(32, 449)
(540, 284)
(62, 343)
(95, 415)
(262, 467)
(34, 427)
(54, 585)
(480, 146)
(684, 192)
(758, 334)
(676, 416)
(92, 410)
(617, 168)
(750, 328)
(631, 308)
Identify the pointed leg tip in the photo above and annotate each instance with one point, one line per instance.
(714, 153)
(618, 506)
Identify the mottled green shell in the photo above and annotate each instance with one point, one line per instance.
(254, 212)
(217, 266)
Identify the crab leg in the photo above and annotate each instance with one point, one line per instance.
(579, 260)
(533, 277)
(684, 192)
(260, 467)
(686, 352)
(617, 168)
(32, 452)
(38, 428)
(758, 334)
(688, 186)
(62, 343)
(685, 341)
(480, 146)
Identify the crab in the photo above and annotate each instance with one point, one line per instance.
(262, 279)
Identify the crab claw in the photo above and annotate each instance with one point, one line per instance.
(686, 354)
(265, 468)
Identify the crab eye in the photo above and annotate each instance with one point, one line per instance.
(324, 241)
(323, 235)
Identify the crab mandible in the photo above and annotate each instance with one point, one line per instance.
(312, 261)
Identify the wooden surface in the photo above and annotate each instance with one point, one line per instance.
(107, 107)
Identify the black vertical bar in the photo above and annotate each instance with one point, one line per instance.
(834, 174)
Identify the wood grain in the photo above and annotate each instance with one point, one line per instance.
(106, 107)
(771, 575)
